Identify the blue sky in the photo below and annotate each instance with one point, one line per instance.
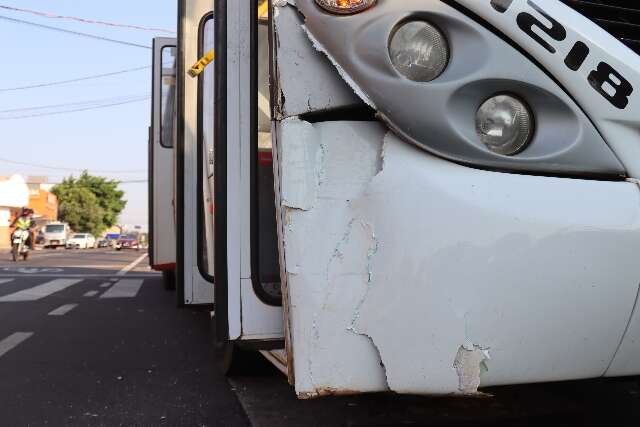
(104, 139)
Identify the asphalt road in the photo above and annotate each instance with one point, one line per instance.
(90, 338)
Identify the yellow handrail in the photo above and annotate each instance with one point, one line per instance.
(208, 58)
(202, 63)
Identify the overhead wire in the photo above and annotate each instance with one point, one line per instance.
(77, 33)
(87, 105)
(86, 20)
(41, 166)
(76, 110)
(75, 104)
(78, 79)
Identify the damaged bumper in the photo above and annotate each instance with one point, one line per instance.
(409, 273)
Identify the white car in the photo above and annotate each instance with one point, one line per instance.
(81, 241)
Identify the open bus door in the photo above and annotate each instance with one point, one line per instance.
(248, 295)
(162, 135)
(194, 211)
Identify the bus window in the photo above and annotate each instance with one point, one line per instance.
(205, 153)
(265, 266)
(167, 104)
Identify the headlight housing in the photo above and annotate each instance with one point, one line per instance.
(442, 116)
(345, 7)
(505, 124)
(419, 51)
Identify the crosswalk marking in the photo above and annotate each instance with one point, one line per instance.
(91, 294)
(41, 291)
(131, 266)
(61, 311)
(125, 288)
(106, 285)
(12, 341)
(3, 281)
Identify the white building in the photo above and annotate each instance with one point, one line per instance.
(14, 194)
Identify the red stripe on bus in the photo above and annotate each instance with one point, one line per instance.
(265, 157)
(164, 267)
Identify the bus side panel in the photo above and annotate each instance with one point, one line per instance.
(163, 218)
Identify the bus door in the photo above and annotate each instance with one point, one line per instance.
(162, 135)
(248, 295)
(194, 231)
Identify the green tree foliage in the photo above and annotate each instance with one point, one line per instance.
(90, 204)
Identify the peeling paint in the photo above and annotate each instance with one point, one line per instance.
(372, 251)
(301, 170)
(470, 364)
(335, 273)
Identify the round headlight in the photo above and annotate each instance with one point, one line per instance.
(345, 7)
(419, 51)
(505, 124)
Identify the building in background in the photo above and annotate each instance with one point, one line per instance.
(14, 195)
(43, 202)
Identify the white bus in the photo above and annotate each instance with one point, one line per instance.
(452, 200)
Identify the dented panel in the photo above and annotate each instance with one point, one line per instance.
(411, 274)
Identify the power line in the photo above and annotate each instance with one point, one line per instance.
(75, 104)
(54, 113)
(36, 165)
(77, 33)
(79, 79)
(85, 20)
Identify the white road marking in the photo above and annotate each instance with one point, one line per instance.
(125, 288)
(41, 291)
(61, 311)
(106, 285)
(131, 266)
(12, 341)
(3, 281)
(31, 270)
(96, 275)
(91, 294)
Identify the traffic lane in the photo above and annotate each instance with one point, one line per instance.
(84, 261)
(117, 361)
(40, 256)
(28, 315)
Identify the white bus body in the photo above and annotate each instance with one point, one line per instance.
(412, 257)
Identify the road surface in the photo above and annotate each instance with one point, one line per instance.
(91, 338)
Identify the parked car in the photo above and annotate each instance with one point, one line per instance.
(81, 241)
(55, 234)
(103, 243)
(128, 242)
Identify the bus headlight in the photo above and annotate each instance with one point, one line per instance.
(419, 51)
(345, 7)
(505, 124)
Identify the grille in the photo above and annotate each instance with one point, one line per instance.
(621, 18)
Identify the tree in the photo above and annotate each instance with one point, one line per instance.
(109, 196)
(90, 204)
